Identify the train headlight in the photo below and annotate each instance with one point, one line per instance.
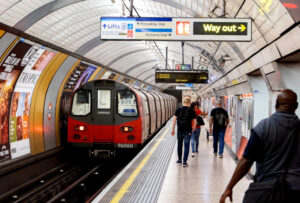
(126, 129)
(80, 128)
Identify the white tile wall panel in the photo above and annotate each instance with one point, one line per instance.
(122, 51)
(283, 23)
(7, 19)
(249, 51)
(148, 67)
(106, 50)
(125, 63)
(128, 57)
(231, 75)
(14, 11)
(82, 41)
(266, 26)
(271, 36)
(268, 68)
(259, 19)
(270, 53)
(290, 42)
(5, 5)
(258, 61)
(259, 43)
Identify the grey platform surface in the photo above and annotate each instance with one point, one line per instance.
(204, 180)
(154, 176)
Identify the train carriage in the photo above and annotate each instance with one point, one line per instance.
(107, 115)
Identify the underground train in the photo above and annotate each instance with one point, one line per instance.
(107, 115)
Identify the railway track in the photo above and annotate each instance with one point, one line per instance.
(71, 178)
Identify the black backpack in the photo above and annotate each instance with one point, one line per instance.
(220, 118)
(183, 119)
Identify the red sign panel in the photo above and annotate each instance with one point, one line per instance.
(183, 28)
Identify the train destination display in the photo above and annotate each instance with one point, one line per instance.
(162, 76)
(175, 29)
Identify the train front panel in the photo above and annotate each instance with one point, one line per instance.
(105, 116)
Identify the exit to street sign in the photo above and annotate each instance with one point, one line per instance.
(220, 28)
(175, 29)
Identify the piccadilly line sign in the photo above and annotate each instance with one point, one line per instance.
(175, 29)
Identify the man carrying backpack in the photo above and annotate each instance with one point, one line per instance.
(219, 120)
(186, 123)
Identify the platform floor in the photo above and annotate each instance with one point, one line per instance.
(154, 176)
(205, 178)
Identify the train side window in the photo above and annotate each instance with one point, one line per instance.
(104, 97)
(81, 103)
(127, 103)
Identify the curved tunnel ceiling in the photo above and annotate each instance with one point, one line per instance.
(74, 25)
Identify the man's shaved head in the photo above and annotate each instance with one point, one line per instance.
(286, 101)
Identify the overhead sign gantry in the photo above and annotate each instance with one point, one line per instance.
(175, 29)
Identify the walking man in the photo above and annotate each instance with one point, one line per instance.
(219, 120)
(275, 146)
(186, 123)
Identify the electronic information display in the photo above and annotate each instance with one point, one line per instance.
(175, 29)
(181, 76)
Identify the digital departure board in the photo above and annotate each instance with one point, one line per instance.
(181, 76)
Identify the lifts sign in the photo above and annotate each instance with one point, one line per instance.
(176, 29)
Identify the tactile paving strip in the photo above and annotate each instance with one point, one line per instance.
(147, 185)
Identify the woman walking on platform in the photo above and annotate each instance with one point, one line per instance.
(196, 133)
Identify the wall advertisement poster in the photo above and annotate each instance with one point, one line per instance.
(21, 100)
(10, 69)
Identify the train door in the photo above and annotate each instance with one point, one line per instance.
(104, 115)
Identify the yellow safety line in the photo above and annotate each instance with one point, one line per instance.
(8, 49)
(95, 74)
(119, 195)
(2, 32)
(60, 91)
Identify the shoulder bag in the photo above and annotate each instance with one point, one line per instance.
(200, 121)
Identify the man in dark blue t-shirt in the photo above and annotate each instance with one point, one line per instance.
(267, 139)
(219, 120)
(186, 123)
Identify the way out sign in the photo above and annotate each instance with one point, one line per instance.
(215, 29)
(175, 29)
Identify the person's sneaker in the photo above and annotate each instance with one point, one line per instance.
(197, 152)
(193, 154)
(178, 161)
(221, 156)
(185, 164)
(215, 154)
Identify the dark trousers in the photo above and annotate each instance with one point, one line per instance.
(218, 136)
(183, 137)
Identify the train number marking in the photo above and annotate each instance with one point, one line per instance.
(125, 145)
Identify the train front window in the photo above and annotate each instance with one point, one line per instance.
(127, 103)
(104, 99)
(81, 103)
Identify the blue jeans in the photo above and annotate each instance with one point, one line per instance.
(218, 137)
(195, 139)
(183, 137)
